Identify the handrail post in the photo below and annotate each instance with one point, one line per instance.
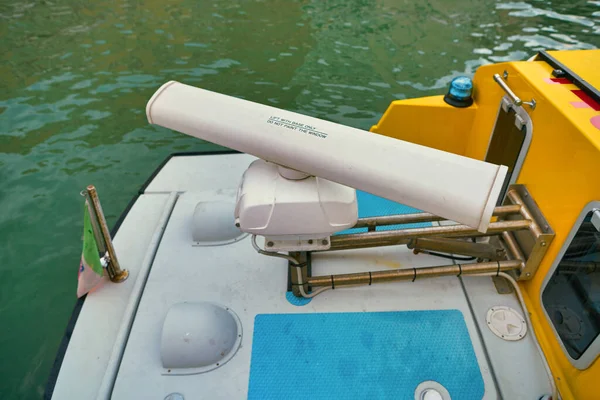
(115, 273)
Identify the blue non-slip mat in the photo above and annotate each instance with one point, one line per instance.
(370, 205)
(368, 355)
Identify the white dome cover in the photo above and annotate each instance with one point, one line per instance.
(198, 337)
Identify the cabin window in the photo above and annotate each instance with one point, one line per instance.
(571, 296)
(509, 141)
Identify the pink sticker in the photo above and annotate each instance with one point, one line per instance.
(550, 81)
(596, 121)
(580, 104)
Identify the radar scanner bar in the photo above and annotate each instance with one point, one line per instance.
(457, 188)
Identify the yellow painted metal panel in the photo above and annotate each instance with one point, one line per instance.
(561, 172)
(428, 121)
(585, 63)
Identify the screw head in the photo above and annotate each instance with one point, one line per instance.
(310, 241)
(270, 244)
(528, 274)
(324, 242)
(543, 244)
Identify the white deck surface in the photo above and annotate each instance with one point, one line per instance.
(518, 366)
(236, 276)
(248, 283)
(92, 341)
(185, 173)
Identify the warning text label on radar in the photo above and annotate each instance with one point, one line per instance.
(296, 126)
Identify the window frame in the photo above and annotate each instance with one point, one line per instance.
(593, 350)
(505, 105)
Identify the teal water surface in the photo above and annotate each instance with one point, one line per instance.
(75, 78)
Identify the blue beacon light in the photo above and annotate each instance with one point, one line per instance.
(459, 92)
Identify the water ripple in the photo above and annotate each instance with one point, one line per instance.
(527, 10)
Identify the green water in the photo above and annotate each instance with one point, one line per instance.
(75, 78)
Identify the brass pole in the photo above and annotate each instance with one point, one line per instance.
(458, 246)
(401, 236)
(115, 273)
(524, 211)
(368, 278)
(94, 221)
(372, 222)
(513, 246)
(358, 244)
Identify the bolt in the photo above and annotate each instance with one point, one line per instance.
(269, 244)
(310, 241)
(324, 242)
(505, 74)
(543, 244)
(528, 274)
(237, 224)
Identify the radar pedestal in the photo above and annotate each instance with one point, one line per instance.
(293, 210)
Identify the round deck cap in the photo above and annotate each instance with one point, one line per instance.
(431, 390)
(506, 323)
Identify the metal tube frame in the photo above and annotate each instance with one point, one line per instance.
(484, 251)
(513, 246)
(516, 199)
(373, 222)
(412, 274)
(521, 227)
(402, 236)
(521, 234)
(531, 245)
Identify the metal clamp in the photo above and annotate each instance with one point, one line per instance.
(515, 99)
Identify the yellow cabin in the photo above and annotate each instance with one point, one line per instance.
(551, 143)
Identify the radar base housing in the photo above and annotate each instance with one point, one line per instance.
(293, 214)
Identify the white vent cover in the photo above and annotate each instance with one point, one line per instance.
(213, 224)
(198, 337)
